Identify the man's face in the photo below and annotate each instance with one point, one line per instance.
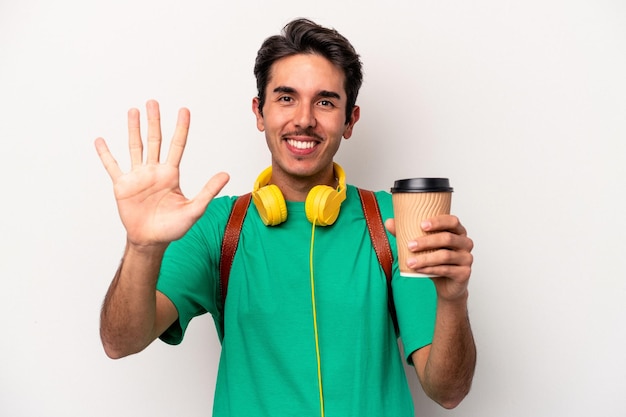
(304, 116)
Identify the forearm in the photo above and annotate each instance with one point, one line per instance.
(449, 367)
(128, 317)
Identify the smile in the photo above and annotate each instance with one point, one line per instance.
(300, 144)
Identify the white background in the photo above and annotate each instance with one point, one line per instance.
(521, 104)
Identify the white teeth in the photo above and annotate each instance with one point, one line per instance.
(301, 145)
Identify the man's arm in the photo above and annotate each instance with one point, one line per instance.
(154, 213)
(134, 313)
(446, 367)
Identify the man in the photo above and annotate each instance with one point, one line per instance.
(305, 328)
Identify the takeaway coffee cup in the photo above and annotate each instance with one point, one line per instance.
(414, 200)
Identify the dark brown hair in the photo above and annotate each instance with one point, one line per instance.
(302, 36)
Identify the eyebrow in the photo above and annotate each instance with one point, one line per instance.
(329, 94)
(284, 89)
(323, 93)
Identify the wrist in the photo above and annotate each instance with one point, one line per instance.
(141, 264)
(145, 251)
(457, 302)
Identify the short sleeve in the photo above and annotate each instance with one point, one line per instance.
(189, 274)
(416, 307)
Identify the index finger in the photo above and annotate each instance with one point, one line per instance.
(443, 222)
(179, 140)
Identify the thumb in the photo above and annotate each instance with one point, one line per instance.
(390, 224)
(209, 191)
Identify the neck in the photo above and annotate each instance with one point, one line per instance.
(297, 188)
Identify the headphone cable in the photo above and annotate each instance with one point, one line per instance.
(317, 343)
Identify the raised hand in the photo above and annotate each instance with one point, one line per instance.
(151, 205)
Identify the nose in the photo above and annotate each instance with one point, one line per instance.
(304, 116)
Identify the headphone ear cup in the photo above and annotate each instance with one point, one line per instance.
(322, 205)
(270, 204)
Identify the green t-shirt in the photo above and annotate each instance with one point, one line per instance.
(268, 364)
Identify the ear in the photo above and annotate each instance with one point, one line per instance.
(354, 117)
(260, 124)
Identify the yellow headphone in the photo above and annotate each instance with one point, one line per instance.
(321, 206)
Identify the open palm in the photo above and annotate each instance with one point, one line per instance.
(151, 205)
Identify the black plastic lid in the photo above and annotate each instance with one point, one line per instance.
(422, 185)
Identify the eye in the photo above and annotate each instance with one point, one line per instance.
(285, 99)
(326, 103)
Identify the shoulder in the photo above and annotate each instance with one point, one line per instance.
(220, 206)
(382, 197)
(216, 214)
(204, 239)
(385, 204)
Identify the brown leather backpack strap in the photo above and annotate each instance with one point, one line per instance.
(231, 240)
(376, 228)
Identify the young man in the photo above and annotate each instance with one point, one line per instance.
(305, 328)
